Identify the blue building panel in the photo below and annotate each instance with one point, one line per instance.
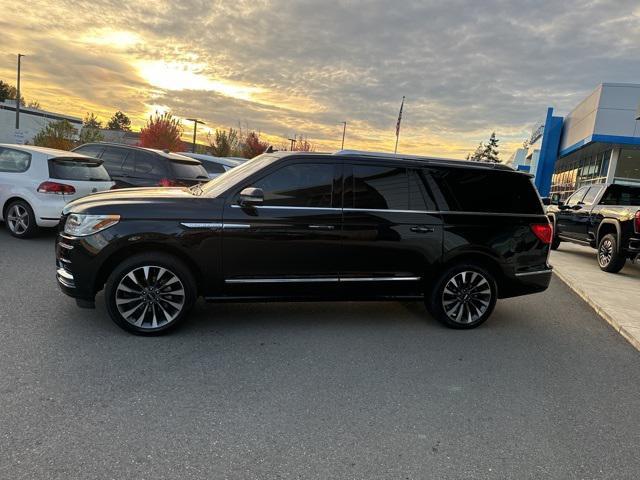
(548, 152)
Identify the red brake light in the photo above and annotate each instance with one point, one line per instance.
(57, 188)
(543, 231)
(165, 182)
(636, 221)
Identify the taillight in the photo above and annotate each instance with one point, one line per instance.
(543, 231)
(57, 188)
(636, 221)
(165, 182)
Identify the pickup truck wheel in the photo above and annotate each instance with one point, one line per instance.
(150, 293)
(610, 258)
(463, 297)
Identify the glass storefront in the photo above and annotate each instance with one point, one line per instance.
(628, 168)
(576, 170)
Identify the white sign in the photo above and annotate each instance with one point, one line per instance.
(19, 137)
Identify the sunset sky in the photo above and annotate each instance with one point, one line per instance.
(302, 67)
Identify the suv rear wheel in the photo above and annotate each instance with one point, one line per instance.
(463, 297)
(610, 258)
(150, 293)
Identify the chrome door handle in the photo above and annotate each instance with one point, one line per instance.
(322, 227)
(422, 229)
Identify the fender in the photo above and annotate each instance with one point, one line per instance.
(616, 223)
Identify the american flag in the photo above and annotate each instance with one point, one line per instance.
(399, 118)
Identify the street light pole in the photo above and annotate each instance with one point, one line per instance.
(18, 94)
(344, 132)
(293, 141)
(195, 129)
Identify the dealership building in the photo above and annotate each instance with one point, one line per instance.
(598, 141)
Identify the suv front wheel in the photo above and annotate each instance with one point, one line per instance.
(463, 297)
(150, 293)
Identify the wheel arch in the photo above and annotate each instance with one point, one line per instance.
(121, 254)
(12, 199)
(482, 259)
(609, 225)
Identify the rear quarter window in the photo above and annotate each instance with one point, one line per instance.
(80, 169)
(625, 195)
(14, 161)
(475, 190)
(182, 169)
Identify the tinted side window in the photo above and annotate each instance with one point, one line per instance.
(577, 197)
(14, 161)
(299, 185)
(113, 157)
(621, 195)
(90, 150)
(591, 195)
(148, 164)
(420, 197)
(474, 190)
(380, 187)
(213, 167)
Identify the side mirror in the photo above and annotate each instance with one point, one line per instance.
(251, 196)
(546, 201)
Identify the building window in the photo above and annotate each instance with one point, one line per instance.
(628, 165)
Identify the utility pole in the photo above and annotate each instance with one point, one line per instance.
(195, 129)
(293, 142)
(18, 94)
(344, 132)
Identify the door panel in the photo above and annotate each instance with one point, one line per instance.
(568, 217)
(390, 238)
(290, 245)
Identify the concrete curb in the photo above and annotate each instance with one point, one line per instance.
(629, 336)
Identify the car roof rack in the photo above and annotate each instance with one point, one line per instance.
(421, 158)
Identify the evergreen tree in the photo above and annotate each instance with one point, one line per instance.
(490, 153)
(119, 121)
(90, 131)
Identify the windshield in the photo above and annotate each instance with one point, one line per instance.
(220, 184)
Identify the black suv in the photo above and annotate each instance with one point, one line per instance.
(294, 226)
(603, 216)
(145, 167)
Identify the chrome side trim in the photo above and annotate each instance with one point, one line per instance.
(494, 214)
(537, 272)
(380, 279)
(214, 225)
(321, 280)
(382, 210)
(280, 207)
(236, 225)
(200, 225)
(66, 246)
(282, 280)
(569, 239)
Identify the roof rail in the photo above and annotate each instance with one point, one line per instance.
(402, 156)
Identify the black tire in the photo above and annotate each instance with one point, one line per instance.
(20, 219)
(475, 303)
(610, 259)
(151, 299)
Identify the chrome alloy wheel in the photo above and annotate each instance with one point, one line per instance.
(605, 253)
(466, 297)
(18, 219)
(150, 297)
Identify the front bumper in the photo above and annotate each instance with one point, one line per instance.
(68, 276)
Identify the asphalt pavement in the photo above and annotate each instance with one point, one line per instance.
(544, 389)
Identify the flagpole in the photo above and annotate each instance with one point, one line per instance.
(395, 150)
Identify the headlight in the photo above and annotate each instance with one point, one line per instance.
(79, 225)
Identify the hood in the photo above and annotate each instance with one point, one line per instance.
(148, 204)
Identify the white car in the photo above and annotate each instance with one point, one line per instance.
(36, 183)
(214, 166)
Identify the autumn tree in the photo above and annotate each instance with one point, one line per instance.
(162, 131)
(90, 131)
(252, 146)
(60, 134)
(224, 143)
(119, 121)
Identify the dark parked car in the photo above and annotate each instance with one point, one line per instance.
(145, 167)
(603, 216)
(293, 226)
